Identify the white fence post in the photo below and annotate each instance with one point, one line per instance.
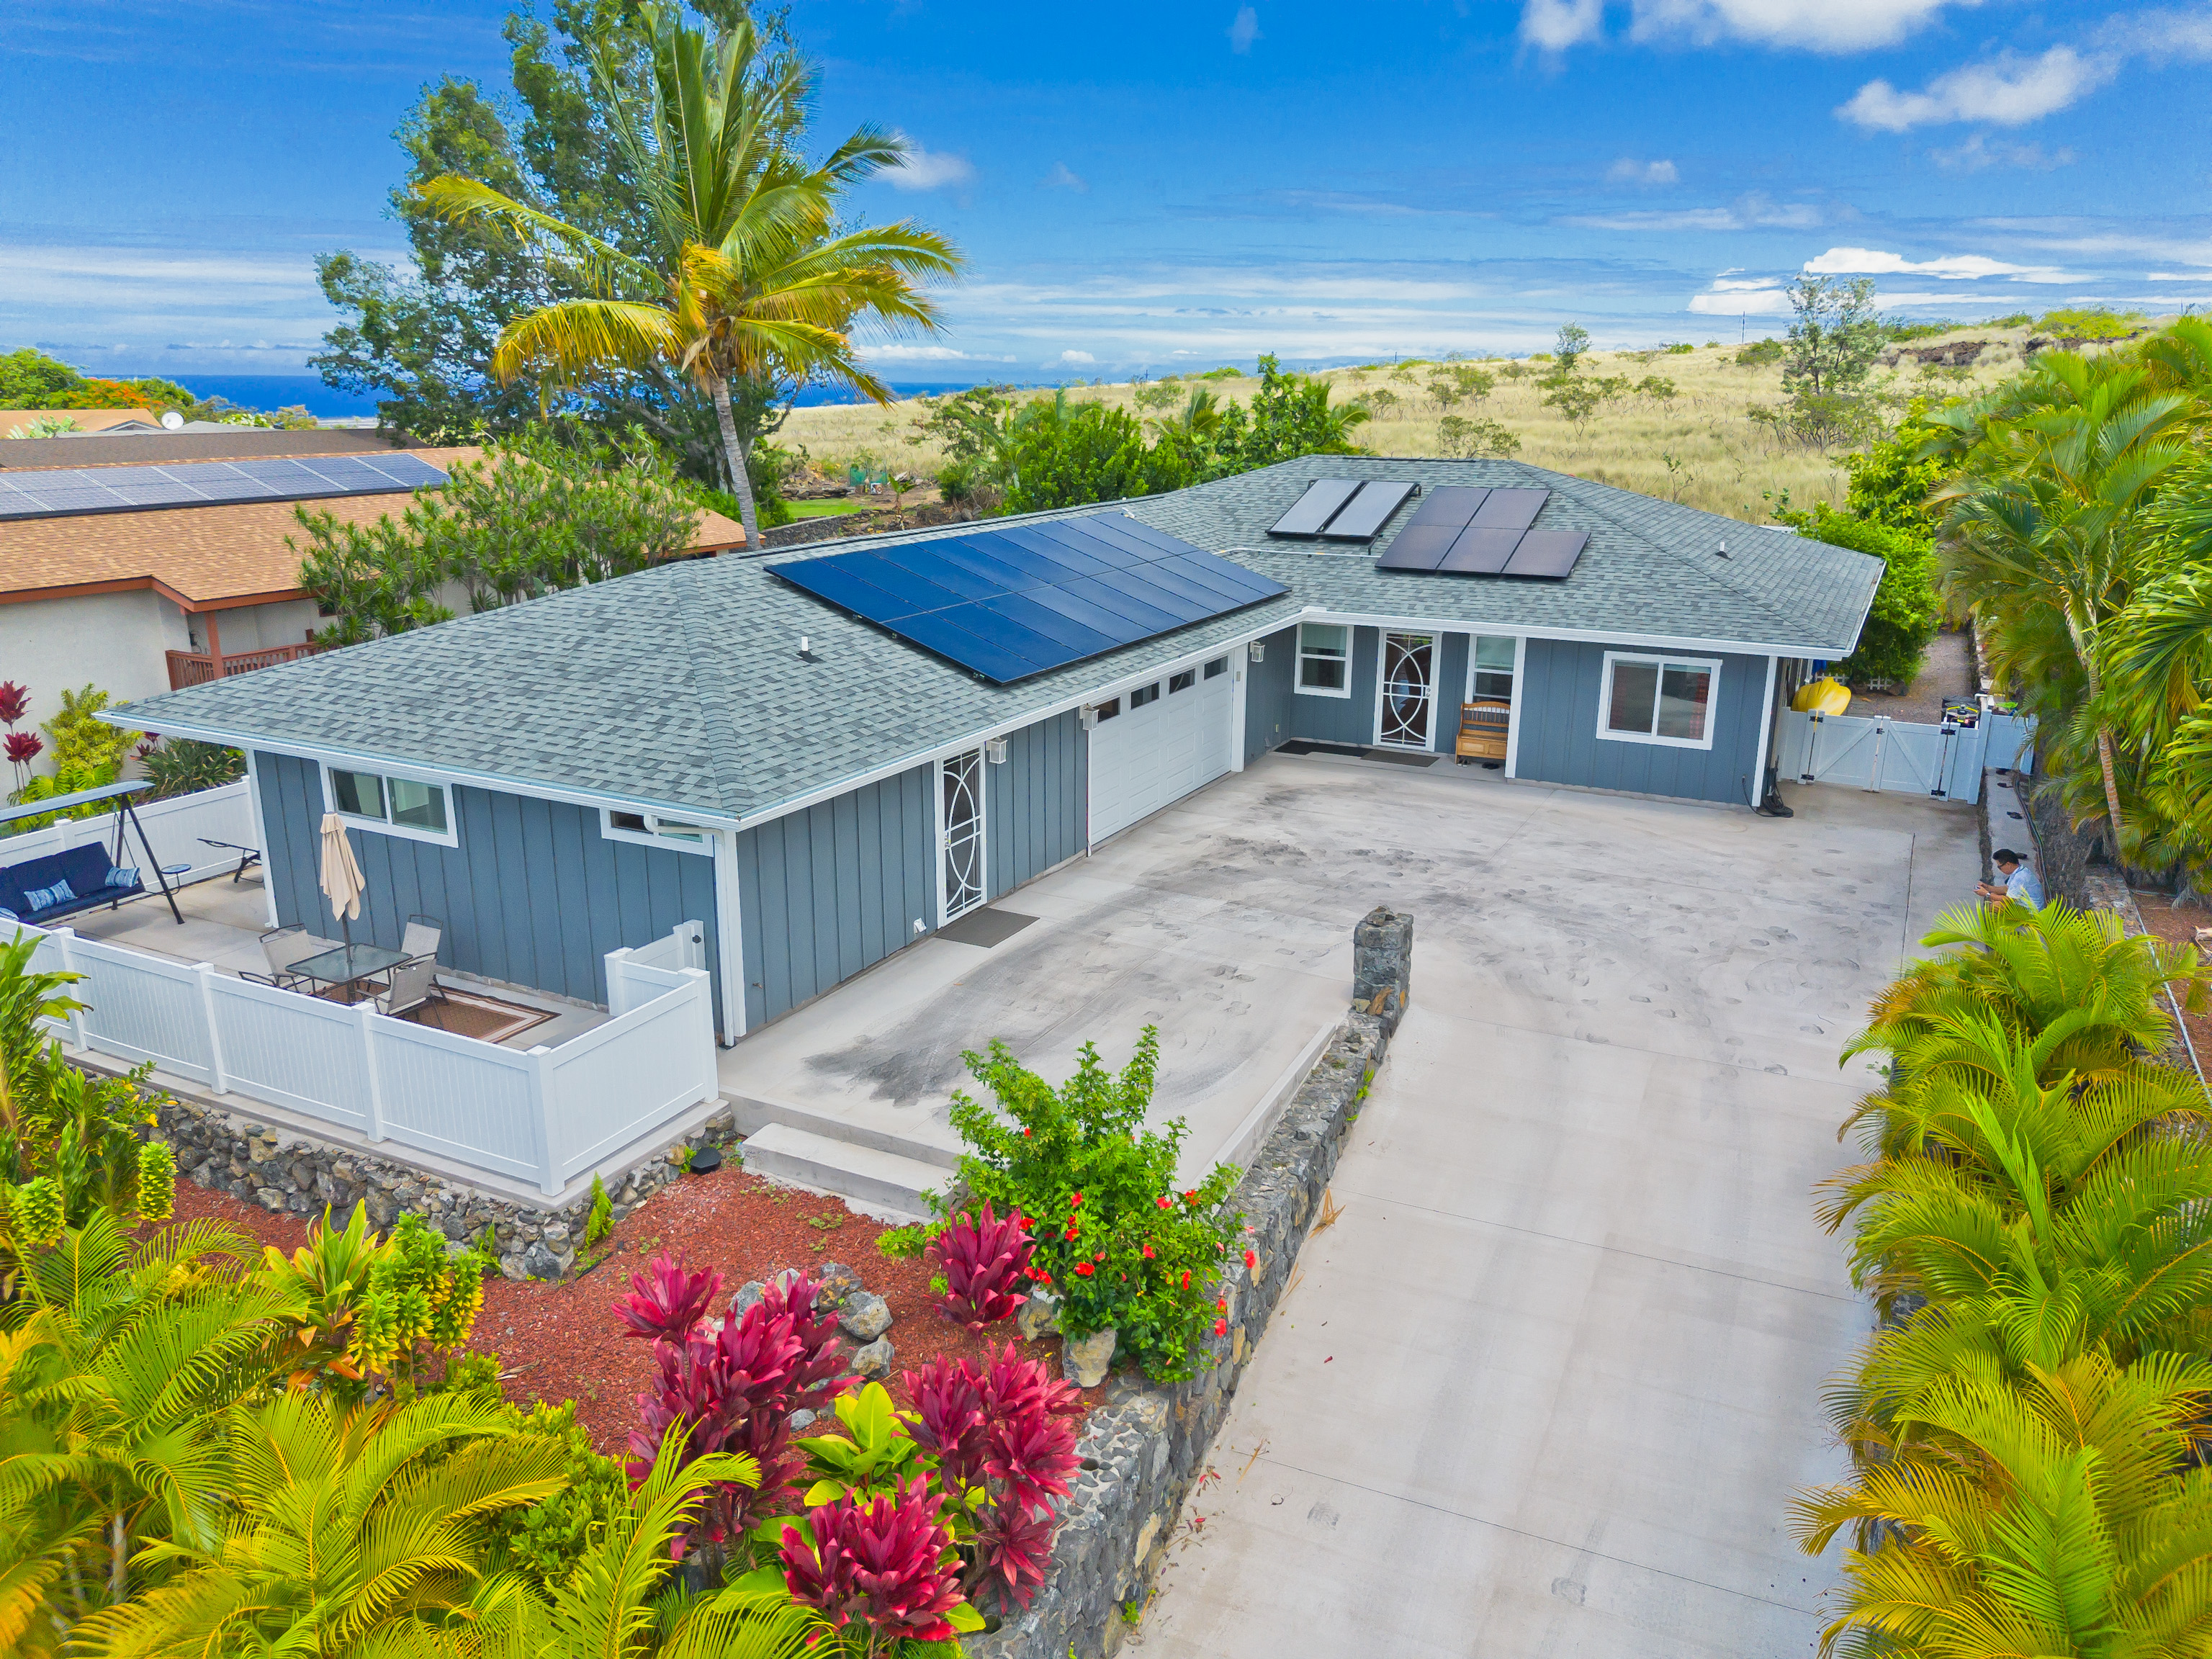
(617, 984)
(218, 1074)
(63, 938)
(375, 1092)
(703, 1001)
(541, 1119)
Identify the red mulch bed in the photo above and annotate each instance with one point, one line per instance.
(2178, 923)
(561, 1341)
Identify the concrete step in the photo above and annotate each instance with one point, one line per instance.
(753, 1116)
(879, 1182)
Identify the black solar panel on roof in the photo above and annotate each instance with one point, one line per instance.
(1479, 551)
(1428, 536)
(1550, 554)
(1008, 603)
(60, 492)
(1511, 509)
(1359, 519)
(1314, 509)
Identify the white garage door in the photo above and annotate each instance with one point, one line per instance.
(1163, 741)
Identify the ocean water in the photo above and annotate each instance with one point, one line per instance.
(283, 391)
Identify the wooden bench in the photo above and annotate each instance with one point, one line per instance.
(1483, 725)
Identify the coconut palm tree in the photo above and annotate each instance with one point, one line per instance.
(750, 276)
(2045, 518)
(2058, 1515)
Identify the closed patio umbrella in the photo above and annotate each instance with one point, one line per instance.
(341, 882)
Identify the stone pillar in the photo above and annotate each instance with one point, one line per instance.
(1383, 964)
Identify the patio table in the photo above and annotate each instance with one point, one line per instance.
(348, 965)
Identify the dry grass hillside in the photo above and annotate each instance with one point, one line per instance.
(1700, 446)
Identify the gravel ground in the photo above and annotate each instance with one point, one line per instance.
(562, 1341)
(1946, 671)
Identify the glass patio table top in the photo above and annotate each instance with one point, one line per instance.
(348, 962)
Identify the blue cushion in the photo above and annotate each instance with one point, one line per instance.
(44, 898)
(123, 875)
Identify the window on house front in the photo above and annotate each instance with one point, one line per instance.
(1662, 700)
(1183, 680)
(1325, 660)
(406, 805)
(1493, 667)
(1219, 665)
(1142, 694)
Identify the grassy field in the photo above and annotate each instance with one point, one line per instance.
(1701, 446)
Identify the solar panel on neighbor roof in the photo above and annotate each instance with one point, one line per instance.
(60, 492)
(1550, 553)
(1359, 519)
(1323, 499)
(1008, 603)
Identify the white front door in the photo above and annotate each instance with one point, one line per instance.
(1406, 714)
(960, 833)
(1155, 744)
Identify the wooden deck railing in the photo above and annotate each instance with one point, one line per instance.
(198, 668)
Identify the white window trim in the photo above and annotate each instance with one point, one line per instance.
(1298, 665)
(450, 836)
(648, 837)
(1663, 662)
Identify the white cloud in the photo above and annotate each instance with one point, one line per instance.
(1064, 176)
(1953, 268)
(1751, 212)
(1811, 25)
(1980, 150)
(924, 169)
(1628, 171)
(1244, 31)
(1555, 25)
(1073, 360)
(1741, 299)
(2008, 91)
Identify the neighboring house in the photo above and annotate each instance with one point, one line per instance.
(139, 598)
(111, 422)
(709, 741)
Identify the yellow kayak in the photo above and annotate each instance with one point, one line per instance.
(1825, 695)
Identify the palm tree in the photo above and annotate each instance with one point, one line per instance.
(2047, 516)
(2058, 1515)
(749, 276)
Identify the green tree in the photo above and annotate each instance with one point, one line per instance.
(1834, 337)
(747, 276)
(1059, 454)
(1574, 340)
(1906, 614)
(1289, 417)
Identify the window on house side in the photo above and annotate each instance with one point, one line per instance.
(1325, 660)
(405, 804)
(1659, 700)
(1493, 667)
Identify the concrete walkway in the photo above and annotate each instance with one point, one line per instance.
(1547, 1385)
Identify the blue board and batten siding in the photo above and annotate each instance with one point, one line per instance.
(1561, 681)
(1451, 689)
(1037, 802)
(835, 889)
(1268, 716)
(534, 895)
(1339, 719)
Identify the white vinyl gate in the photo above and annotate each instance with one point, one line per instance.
(1907, 756)
(1144, 757)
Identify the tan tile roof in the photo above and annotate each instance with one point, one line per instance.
(206, 557)
(88, 420)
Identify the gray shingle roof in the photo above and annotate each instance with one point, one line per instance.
(682, 687)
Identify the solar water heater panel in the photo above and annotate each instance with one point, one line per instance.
(1369, 511)
(1311, 511)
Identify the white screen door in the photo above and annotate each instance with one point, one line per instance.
(1408, 691)
(960, 833)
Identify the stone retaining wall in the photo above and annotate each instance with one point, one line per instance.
(289, 1173)
(1145, 1446)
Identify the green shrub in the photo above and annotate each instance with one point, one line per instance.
(1116, 1240)
(1906, 614)
(600, 1221)
(2015, 320)
(544, 1540)
(2080, 325)
(182, 766)
(1760, 351)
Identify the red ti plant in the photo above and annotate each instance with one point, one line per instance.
(15, 703)
(983, 1261)
(734, 1390)
(887, 1565)
(1004, 1443)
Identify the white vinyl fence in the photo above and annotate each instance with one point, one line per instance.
(175, 827)
(1944, 762)
(543, 1115)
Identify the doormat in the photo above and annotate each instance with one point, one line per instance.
(1398, 757)
(1302, 746)
(471, 1014)
(985, 927)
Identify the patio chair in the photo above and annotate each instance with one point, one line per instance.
(284, 946)
(286, 983)
(410, 985)
(422, 937)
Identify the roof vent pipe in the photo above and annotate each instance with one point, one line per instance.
(1723, 550)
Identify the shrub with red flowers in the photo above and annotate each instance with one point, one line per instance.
(732, 1388)
(1114, 1235)
(985, 1264)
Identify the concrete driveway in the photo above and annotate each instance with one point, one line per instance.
(1547, 1385)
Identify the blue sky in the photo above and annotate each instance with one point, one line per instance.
(1158, 185)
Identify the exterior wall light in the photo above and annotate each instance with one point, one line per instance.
(1257, 651)
(994, 750)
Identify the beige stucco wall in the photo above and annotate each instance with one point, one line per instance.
(258, 626)
(114, 642)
